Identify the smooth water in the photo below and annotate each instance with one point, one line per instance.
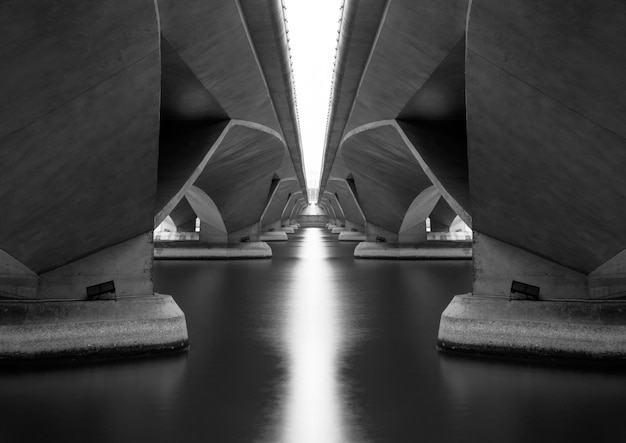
(313, 346)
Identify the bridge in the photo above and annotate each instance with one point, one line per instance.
(506, 117)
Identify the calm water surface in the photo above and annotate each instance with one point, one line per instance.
(313, 346)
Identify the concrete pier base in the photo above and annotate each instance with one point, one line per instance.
(288, 230)
(448, 250)
(579, 329)
(338, 229)
(351, 236)
(274, 236)
(199, 251)
(44, 328)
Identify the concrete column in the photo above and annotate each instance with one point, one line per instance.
(563, 312)
(414, 235)
(211, 234)
(375, 233)
(248, 234)
(51, 314)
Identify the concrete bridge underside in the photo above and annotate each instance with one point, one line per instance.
(510, 114)
(115, 116)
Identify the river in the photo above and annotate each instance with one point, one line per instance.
(312, 346)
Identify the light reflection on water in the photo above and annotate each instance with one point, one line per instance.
(312, 346)
(313, 408)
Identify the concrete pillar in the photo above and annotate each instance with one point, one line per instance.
(375, 233)
(79, 154)
(250, 233)
(414, 235)
(211, 234)
(51, 314)
(563, 312)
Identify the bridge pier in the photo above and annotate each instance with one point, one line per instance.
(566, 313)
(52, 314)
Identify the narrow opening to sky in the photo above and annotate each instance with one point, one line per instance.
(313, 30)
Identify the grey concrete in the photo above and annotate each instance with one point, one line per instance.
(475, 323)
(511, 111)
(351, 236)
(414, 252)
(37, 329)
(116, 116)
(106, 83)
(274, 236)
(203, 251)
(549, 106)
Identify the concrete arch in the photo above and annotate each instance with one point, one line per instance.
(230, 134)
(212, 227)
(184, 216)
(327, 207)
(442, 217)
(413, 229)
(220, 63)
(278, 201)
(337, 208)
(300, 204)
(348, 202)
(288, 209)
(386, 174)
(403, 130)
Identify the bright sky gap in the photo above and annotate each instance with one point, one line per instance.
(313, 29)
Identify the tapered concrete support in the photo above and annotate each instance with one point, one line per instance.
(37, 329)
(563, 329)
(416, 234)
(376, 233)
(576, 314)
(251, 233)
(212, 229)
(48, 314)
(210, 234)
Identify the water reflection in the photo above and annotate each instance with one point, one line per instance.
(314, 408)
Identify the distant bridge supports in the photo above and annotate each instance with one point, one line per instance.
(522, 137)
(104, 136)
(547, 146)
(79, 148)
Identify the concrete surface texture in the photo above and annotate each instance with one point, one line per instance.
(38, 329)
(119, 115)
(512, 111)
(488, 324)
(230, 102)
(200, 251)
(401, 127)
(351, 236)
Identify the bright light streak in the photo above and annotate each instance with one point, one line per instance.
(313, 39)
(314, 409)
